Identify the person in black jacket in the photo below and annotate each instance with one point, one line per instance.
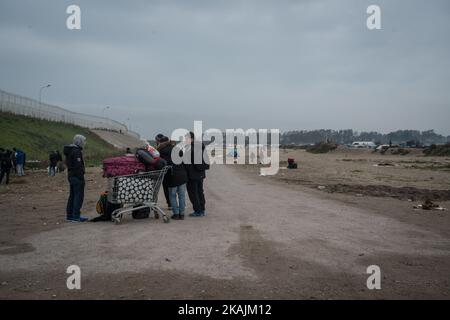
(53, 162)
(196, 168)
(175, 179)
(76, 170)
(160, 138)
(59, 162)
(5, 164)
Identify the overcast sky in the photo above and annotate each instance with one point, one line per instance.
(298, 64)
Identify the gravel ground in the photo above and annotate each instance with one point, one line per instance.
(261, 238)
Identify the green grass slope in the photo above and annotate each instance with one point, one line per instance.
(38, 137)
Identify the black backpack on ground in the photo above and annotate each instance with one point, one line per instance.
(143, 213)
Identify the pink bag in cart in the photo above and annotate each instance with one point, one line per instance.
(122, 166)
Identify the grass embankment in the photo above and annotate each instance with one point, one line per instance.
(38, 137)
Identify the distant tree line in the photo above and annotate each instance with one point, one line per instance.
(408, 137)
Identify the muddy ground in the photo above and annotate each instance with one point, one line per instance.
(359, 172)
(262, 239)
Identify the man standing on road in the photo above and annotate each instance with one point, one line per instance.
(196, 167)
(76, 170)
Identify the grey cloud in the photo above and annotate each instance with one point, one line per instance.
(270, 64)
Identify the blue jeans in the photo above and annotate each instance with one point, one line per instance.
(19, 170)
(52, 171)
(178, 206)
(76, 197)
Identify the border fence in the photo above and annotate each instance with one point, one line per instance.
(20, 105)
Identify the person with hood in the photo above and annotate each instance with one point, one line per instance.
(159, 138)
(175, 179)
(20, 158)
(2, 159)
(53, 159)
(76, 170)
(196, 167)
(14, 161)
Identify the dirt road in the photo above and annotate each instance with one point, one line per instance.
(259, 240)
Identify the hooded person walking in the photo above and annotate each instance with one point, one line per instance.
(76, 170)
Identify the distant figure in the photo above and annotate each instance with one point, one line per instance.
(128, 152)
(292, 164)
(252, 157)
(20, 158)
(76, 170)
(5, 164)
(53, 159)
(262, 158)
(14, 161)
(60, 164)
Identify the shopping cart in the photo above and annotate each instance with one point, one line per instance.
(135, 192)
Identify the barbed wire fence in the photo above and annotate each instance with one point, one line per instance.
(16, 104)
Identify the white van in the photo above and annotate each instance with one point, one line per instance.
(364, 144)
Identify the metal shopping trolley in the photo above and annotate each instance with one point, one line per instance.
(136, 191)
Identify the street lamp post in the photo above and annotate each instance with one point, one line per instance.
(40, 92)
(129, 124)
(40, 98)
(103, 111)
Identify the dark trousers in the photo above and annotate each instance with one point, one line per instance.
(196, 194)
(166, 193)
(76, 197)
(3, 173)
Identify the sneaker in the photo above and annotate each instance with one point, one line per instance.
(69, 218)
(80, 219)
(197, 214)
(181, 216)
(175, 217)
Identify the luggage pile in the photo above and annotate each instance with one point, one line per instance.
(122, 166)
(292, 164)
(146, 159)
(129, 185)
